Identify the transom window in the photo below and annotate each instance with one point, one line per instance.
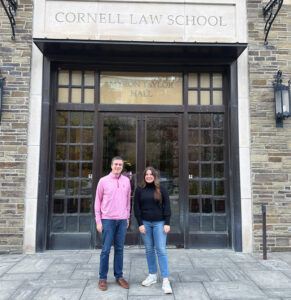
(137, 88)
(141, 88)
(76, 87)
(205, 89)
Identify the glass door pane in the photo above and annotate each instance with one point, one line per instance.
(162, 152)
(119, 139)
(143, 140)
(208, 218)
(71, 202)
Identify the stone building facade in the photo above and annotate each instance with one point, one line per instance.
(15, 58)
(264, 151)
(270, 146)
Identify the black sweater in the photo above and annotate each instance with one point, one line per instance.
(148, 209)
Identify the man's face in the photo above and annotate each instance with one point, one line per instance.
(117, 166)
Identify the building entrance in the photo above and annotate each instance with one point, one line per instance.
(147, 140)
(184, 135)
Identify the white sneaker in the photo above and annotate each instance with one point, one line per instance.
(151, 279)
(167, 286)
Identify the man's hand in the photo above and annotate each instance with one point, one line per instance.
(99, 228)
(142, 229)
(167, 228)
(127, 223)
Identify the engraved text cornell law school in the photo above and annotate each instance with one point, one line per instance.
(139, 19)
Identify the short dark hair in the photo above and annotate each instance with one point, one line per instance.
(116, 158)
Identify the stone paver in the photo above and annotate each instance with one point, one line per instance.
(234, 290)
(211, 261)
(58, 293)
(154, 290)
(215, 274)
(4, 267)
(189, 291)
(251, 266)
(275, 264)
(195, 274)
(31, 265)
(166, 297)
(279, 292)
(7, 288)
(190, 275)
(21, 276)
(235, 274)
(270, 279)
(24, 293)
(287, 272)
(241, 257)
(59, 271)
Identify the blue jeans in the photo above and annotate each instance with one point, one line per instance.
(155, 240)
(113, 232)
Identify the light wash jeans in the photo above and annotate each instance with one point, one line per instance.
(155, 240)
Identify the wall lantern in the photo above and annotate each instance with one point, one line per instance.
(1, 94)
(282, 99)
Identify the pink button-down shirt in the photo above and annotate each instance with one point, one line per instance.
(112, 199)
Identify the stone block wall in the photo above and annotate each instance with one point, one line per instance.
(15, 58)
(270, 146)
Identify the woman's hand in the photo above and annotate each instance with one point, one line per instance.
(167, 228)
(142, 229)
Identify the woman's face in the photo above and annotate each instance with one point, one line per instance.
(149, 177)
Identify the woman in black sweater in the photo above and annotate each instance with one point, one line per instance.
(152, 211)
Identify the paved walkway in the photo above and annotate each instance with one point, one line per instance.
(195, 274)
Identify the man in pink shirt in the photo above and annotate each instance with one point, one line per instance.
(112, 212)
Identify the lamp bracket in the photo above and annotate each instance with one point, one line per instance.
(270, 11)
(1, 94)
(279, 77)
(10, 8)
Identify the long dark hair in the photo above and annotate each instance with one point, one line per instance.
(155, 173)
